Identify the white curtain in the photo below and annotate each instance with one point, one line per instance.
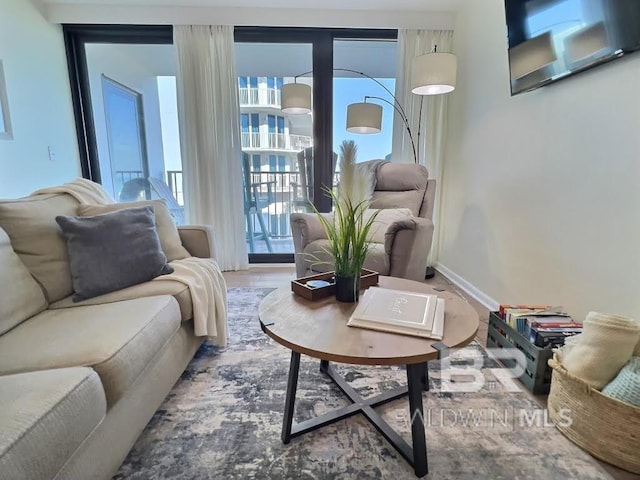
(208, 113)
(430, 140)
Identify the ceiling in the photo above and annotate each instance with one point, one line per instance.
(379, 5)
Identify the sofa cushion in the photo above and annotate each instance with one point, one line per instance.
(177, 290)
(113, 251)
(38, 241)
(167, 230)
(118, 340)
(45, 416)
(20, 297)
(376, 259)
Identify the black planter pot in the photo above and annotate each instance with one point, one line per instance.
(347, 288)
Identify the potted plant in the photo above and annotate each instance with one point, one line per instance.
(347, 227)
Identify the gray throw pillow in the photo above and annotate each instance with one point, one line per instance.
(112, 251)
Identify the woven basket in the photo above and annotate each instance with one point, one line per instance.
(606, 428)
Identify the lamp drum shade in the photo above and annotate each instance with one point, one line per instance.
(296, 98)
(434, 74)
(364, 118)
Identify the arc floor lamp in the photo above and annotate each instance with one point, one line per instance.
(431, 74)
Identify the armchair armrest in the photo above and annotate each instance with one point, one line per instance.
(197, 239)
(408, 242)
(305, 228)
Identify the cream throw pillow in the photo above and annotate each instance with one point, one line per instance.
(20, 297)
(602, 349)
(167, 231)
(38, 241)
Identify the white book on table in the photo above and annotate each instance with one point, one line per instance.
(398, 311)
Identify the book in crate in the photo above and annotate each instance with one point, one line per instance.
(543, 325)
(397, 311)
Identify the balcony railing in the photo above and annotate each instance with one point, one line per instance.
(276, 205)
(273, 97)
(123, 176)
(275, 141)
(174, 180)
(299, 142)
(250, 140)
(249, 96)
(252, 96)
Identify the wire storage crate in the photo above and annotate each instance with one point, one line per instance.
(537, 374)
(603, 426)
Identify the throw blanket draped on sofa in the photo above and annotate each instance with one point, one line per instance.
(83, 190)
(208, 295)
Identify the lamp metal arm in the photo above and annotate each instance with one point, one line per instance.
(405, 120)
(397, 104)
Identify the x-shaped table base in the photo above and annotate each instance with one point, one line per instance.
(417, 382)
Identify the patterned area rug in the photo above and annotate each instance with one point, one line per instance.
(222, 420)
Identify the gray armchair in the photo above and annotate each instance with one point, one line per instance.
(400, 243)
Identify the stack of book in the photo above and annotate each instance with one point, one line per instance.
(397, 311)
(544, 325)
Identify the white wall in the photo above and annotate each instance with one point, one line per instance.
(542, 190)
(35, 68)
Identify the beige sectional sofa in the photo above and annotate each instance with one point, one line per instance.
(79, 381)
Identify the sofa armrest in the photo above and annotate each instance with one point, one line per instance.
(197, 239)
(407, 242)
(305, 228)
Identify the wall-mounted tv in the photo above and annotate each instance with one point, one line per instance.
(552, 39)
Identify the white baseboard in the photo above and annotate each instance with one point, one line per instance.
(468, 288)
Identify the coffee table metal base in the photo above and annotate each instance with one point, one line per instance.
(417, 381)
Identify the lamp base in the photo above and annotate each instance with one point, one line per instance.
(430, 273)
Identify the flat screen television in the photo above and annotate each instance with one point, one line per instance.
(553, 39)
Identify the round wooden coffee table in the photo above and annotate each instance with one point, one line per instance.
(319, 329)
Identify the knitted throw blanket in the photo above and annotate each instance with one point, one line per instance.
(83, 190)
(626, 386)
(208, 295)
(602, 349)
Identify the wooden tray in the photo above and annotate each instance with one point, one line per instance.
(299, 286)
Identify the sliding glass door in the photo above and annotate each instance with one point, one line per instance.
(277, 179)
(298, 162)
(124, 91)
